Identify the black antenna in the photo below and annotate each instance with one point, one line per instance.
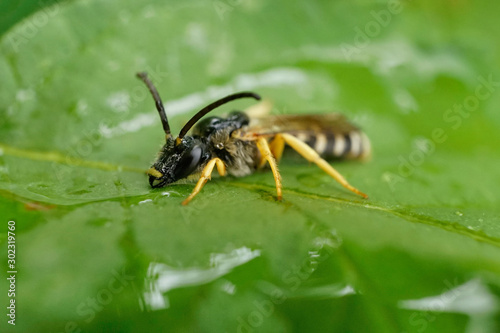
(212, 106)
(159, 105)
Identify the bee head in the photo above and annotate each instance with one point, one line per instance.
(184, 155)
(178, 160)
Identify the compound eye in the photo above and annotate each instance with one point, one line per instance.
(188, 162)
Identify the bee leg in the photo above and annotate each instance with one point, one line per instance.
(311, 155)
(277, 145)
(263, 147)
(205, 176)
(221, 167)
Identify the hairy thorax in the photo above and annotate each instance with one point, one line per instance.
(241, 157)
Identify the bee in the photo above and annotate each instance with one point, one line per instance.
(239, 144)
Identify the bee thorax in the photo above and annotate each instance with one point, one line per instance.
(240, 157)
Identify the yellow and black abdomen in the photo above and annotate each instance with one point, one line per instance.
(331, 135)
(337, 145)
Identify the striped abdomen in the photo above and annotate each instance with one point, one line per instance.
(351, 145)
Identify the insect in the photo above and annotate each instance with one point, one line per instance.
(240, 145)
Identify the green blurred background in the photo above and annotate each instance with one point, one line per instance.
(97, 250)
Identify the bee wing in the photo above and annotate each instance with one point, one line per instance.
(259, 110)
(297, 124)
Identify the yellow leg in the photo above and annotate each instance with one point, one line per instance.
(205, 176)
(312, 156)
(277, 146)
(263, 147)
(221, 168)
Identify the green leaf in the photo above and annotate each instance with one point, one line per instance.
(97, 249)
(11, 12)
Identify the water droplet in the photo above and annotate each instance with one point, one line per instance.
(229, 288)
(459, 213)
(170, 193)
